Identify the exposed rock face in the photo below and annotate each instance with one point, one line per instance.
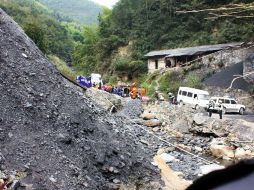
(248, 67)
(52, 132)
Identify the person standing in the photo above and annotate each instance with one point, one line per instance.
(171, 97)
(220, 108)
(210, 107)
(134, 92)
(143, 92)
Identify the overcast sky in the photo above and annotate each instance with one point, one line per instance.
(108, 3)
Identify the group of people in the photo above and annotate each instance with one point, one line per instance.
(123, 91)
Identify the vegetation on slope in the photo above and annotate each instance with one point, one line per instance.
(136, 27)
(147, 25)
(51, 36)
(82, 11)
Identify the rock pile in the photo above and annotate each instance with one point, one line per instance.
(107, 101)
(193, 131)
(51, 135)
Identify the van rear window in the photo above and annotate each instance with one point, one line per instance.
(184, 93)
(190, 94)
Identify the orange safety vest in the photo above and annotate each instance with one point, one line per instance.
(134, 92)
(143, 92)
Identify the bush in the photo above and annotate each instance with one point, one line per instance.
(193, 81)
(124, 64)
(208, 75)
(150, 88)
(112, 80)
(171, 82)
(221, 64)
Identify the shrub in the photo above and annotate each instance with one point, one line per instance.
(221, 64)
(171, 82)
(193, 81)
(208, 75)
(211, 58)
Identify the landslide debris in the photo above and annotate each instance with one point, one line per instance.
(52, 133)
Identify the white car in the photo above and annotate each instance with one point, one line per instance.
(229, 105)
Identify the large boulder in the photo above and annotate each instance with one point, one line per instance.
(220, 149)
(104, 99)
(147, 116)
(210, 126)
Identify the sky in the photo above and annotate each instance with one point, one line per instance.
(108, 3)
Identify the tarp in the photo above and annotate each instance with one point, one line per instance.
(84, 81)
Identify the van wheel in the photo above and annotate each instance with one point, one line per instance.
(241, 111)
(181, 103)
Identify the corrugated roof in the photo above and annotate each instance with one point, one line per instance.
(191, 50)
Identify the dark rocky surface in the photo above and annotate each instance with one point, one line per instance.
(225, 77)
(55, 134)
(131, 108)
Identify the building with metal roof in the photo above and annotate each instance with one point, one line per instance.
(178, 57)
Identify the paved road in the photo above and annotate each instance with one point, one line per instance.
(249, 117)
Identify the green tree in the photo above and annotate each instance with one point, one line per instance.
(37, 33)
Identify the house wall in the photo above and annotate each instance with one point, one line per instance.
(161, 64)
(151, 64)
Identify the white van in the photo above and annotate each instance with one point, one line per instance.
(195, 97)
(96, 78)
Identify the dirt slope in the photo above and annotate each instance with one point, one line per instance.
(53, 133)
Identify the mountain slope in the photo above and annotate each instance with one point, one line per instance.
(82, 11)
(147, 25)
(41, 26)
(51, 132)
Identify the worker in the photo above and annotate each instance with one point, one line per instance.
(134, 92)
(171, 97)
(211, 107)
(220, 108)
(143, 92)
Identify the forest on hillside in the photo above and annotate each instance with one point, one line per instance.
(81, 11)
(43, 27)
(123, 35)
(145, 25)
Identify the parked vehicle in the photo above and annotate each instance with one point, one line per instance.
(230, 105)
(96, 79)
(88, 82)
(195, 97)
